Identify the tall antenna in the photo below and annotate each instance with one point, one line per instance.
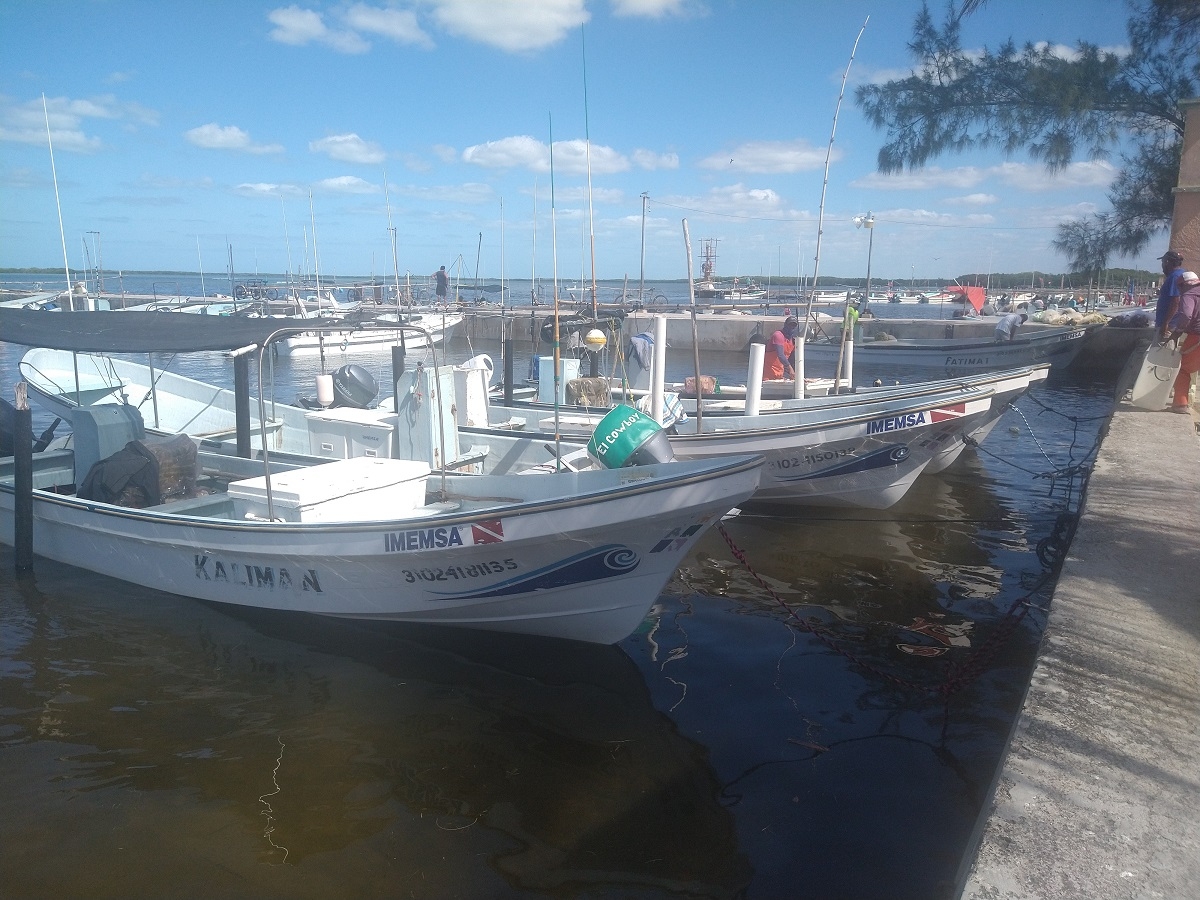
(587, 142)
(392, 232)
(200, 259)
(821, 211)
(54, 174)
(316, 258)
(287, 241)
(554, 277)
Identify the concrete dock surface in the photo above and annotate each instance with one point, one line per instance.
(1099, 796)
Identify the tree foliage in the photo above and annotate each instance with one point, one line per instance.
(1057, 107)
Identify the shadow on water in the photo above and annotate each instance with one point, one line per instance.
(148, 737)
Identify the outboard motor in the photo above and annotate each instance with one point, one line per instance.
(627, 437)
(354, 386)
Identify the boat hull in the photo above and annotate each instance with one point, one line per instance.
(583, 557)
(868, 461)
(961, 357)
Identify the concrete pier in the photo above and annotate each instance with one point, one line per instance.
(1099, 796)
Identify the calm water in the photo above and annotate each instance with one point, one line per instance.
(762, 735)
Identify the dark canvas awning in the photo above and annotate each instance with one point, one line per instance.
(138, 332)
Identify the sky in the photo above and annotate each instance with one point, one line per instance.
(506, 138)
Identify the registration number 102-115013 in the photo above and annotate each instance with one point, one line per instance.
(812, 458)
(459, 573)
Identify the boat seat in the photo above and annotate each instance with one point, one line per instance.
(214, 505)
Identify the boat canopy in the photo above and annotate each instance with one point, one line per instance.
(111, 331)
(972, 294)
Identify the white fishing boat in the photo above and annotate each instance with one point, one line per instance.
(434, 328)
(863, 449)
(951, 357)
(864, 456)
(578, 555)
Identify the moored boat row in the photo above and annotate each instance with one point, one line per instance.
(392, 509)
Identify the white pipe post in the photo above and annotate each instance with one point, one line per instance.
(754, 378)
(658, 369)
(798, 363)
(850, 360)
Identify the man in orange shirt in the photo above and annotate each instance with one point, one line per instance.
(777, 363)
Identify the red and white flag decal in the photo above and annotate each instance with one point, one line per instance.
(948, 412)
(490, 532)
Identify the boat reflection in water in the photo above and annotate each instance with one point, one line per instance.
(878, 732)
(155, 742)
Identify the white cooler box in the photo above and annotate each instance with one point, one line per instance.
(357, 490)
(347, 433)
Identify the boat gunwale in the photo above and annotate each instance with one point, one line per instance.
(725, 465)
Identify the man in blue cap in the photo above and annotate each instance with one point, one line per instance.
(1169, 291)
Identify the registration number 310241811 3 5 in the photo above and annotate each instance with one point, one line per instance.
(460, 573)
(812, 458)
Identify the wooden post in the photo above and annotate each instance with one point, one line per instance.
(23, 481)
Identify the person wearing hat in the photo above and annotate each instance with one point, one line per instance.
(1185, 323)
(777, 363)
(1006, 328)
(1169, 290)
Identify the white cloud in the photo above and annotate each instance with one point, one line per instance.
(347, 184)
(649, 9)
(648, 159)
(579, 193)
(399, 25)
(227, 137)
(929, 217)
(973, 200)
(736, 200)
(523, 151)
(929, 178)
(262, 189)
(516, 26)
(1071, 54)
(1053, 216)
(349, 148)
(768, 157)
(26, 122)
(1030, 177)
(1033, 178)
(470, 193)
(445, 153)
(299, 27)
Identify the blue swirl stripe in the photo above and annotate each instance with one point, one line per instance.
(593, 565)
(878, 459)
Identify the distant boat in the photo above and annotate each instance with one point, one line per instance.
(733, 292)
(573, 554)
(707, 287)
(434, 327)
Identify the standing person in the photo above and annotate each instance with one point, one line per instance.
(1185, 322)
(777, 363)
(1006, 328)
(443, 283)
(1169, 290)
